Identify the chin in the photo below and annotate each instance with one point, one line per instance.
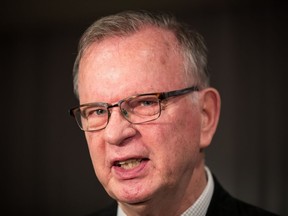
(132, 196)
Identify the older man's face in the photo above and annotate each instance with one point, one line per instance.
(160, 155)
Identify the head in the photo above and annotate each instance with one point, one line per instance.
(134, 53)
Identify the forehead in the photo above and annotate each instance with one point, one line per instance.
(145, 61)
(151, 41)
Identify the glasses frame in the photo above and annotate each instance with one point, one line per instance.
(160, 95)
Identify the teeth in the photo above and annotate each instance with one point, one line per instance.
(129, 164)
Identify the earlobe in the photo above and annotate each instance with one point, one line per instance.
(210, 112)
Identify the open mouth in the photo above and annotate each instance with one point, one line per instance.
(129, 164)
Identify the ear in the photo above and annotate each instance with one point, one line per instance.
(210, 112)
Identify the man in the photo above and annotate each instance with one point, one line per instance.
(148, 114)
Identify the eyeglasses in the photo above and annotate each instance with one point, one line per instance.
(136, 109)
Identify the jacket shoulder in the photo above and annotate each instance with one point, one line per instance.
(224, 204)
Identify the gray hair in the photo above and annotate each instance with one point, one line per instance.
(125, 23)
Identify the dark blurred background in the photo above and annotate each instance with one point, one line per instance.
(46, 168)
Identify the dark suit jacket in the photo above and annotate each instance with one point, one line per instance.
(222, 204)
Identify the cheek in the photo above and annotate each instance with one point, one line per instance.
(176, 143)
(184, 130)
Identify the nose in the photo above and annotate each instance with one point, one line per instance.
(118, 128)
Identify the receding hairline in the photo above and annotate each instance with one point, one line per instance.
(167, 38)
(126, 23)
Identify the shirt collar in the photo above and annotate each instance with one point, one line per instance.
(201, 205)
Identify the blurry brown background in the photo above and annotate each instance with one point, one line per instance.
(46, 168)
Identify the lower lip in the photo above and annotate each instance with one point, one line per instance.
(126, 174)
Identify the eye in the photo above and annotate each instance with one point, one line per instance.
(100, 112)
(148, 102)
(142, 105)
(95, 112)
(143, 101)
